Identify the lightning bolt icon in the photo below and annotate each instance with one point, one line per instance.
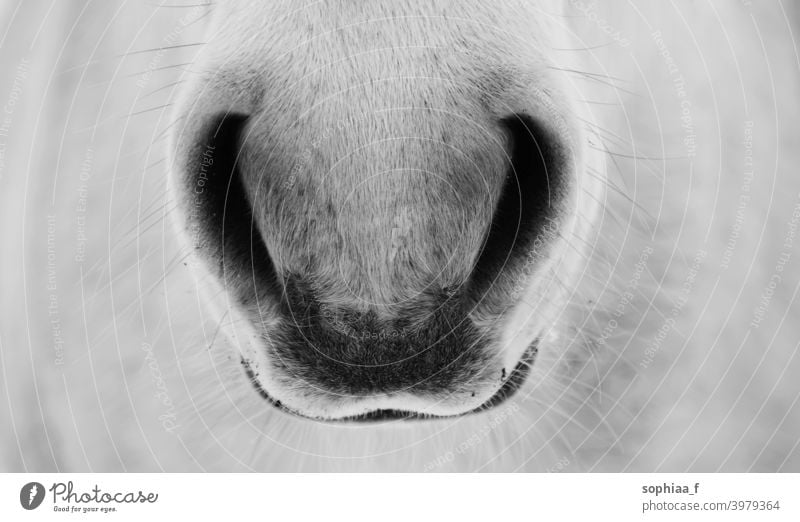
(32, 494)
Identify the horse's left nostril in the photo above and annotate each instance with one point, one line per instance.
(532, 193)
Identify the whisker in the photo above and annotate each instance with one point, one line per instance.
(159, 49)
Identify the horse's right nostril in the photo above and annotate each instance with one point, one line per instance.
(219, 213)
(532, 194)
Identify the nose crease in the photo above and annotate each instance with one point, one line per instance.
(356, 353)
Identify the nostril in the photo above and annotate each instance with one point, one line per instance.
(533, 189)
(219, 212)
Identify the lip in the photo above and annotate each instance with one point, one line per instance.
(515, 380)
(510, 386)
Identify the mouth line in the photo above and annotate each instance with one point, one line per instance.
(510, 386)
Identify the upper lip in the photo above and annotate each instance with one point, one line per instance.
(515, 379)
(510, 386)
